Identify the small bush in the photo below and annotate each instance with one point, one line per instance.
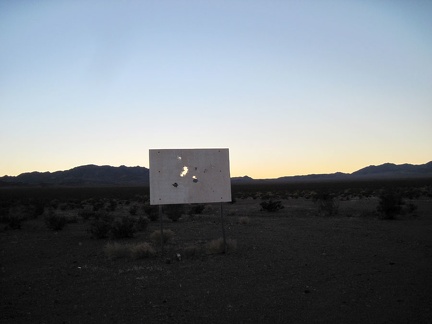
(390, 204)
(133, 210)
(97, 205)
(173, 212)
(71, 219)
(123, 227)
(112, 205)
(244, 220)
(4, 212)
(167, 235)
(191, 251)
(54, 204)
(13, 217)
(86, 213)
(135, 251)
(63, 206)
(107, 217)
(100, 228)
(217, 246)
(142, 223)
(271, 205)
(411, 208)
(327, 204)
(116, 250)
(152, 212)
(54, 221)
(142, 251)
(196, 209)
(13, 221)
(37, 209)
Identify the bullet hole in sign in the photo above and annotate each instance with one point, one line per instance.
(195, 179)
(175, 184)
(184, 172)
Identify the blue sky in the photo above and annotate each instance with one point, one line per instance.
(290, 87)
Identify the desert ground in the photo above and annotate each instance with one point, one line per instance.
(294, 265)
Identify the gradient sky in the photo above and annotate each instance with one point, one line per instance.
(290, 87)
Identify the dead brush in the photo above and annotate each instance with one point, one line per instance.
(135, 251)
(191, 251)
(142, 251)
(167, 235)
(217, 246)
(244, 220)
(117, 250)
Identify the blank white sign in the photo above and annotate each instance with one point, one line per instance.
(187, 176)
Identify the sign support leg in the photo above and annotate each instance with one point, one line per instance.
(161, 230)
(223, 227)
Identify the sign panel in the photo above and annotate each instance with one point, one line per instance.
(187, 176)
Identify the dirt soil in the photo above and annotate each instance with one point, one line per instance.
(291, 266)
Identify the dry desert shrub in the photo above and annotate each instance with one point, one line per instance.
(244, 220)
(271, 205)
(13, 218)
(55, 221)
(100, 228)
(191, 251)
(136, 251)
(142, 251)
(123, 227)
(174, 212)
(196, 209)
(117, 250)
(86, 213)
(156, 235)
(390, 204)
(71, 219)
(142, 223)
(328, 205)
(217, 246)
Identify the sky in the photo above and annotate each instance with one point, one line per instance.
(290, 87)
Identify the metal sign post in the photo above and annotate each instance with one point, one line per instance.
(223, 227)
(161, 229)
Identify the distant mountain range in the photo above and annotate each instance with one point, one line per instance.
(86, 175)
(93, 175)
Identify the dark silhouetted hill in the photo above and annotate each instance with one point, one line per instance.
(86, 175)
(93, 175)
(394, 170)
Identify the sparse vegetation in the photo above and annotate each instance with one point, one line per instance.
(151, 211)
(173, 212)
(142, 251)
(411, 208)
(390, 204)
(117, 250)
(123, 227)
(196, 209)
(217, 246)
(86, 213)
(290, 243)
(55, 221)
(142, 223)
(244, 220)
(327, 204)
(156, 236)
(13, 221)
(191, 251)
(100, 227)
(271, 205)
(133, 210)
